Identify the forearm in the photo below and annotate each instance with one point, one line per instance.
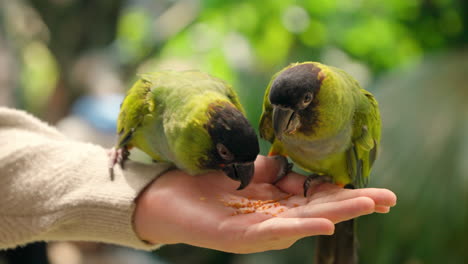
(57, 189)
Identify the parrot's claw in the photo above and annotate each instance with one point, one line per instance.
(285, 167)
(315, 177)
(119, 156)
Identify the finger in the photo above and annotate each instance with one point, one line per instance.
(335, 211)
(382, 209)
(278, 228)
(266, 169)
(292, 183)
(327, 193)
(382, 197)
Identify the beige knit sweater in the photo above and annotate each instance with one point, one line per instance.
(53, 188)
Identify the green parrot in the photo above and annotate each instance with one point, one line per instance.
(189, 119)
(321, 119)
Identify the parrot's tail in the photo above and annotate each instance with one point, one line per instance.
(340, 248)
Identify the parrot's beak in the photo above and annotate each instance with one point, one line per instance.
(242, 172)
(283, 119)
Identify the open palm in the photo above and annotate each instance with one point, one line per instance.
(207, 210)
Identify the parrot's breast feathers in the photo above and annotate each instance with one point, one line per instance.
(318, 148)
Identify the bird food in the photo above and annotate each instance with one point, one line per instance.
(249, 206)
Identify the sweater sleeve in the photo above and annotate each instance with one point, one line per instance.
(53, 188)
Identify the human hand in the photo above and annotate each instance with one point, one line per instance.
(207, 210)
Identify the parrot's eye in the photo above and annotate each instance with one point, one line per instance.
(308, 97)
(224, 152)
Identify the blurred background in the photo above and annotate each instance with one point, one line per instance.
(69, 62)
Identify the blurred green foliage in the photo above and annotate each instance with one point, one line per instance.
(54, 51)
(239, 41)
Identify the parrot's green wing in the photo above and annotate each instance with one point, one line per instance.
(137, 104)
(365, 140)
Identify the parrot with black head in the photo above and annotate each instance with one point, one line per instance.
(189, 119)
(320, 117)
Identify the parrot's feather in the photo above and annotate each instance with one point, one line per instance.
(365, 141)
(234, 99)
(266, 129)
(335, 134)
(175, 117)
(373, 154)
(134, 108)
(352, 162)
(365, 137)
(126, 137)
(266, 124)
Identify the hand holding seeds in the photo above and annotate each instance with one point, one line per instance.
(207, 211)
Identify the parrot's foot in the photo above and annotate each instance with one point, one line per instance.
(119, 156)
(285, 167)
(315, 177)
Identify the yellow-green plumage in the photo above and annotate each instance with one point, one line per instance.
(167, 115)
(328, 125)
(347, 116)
